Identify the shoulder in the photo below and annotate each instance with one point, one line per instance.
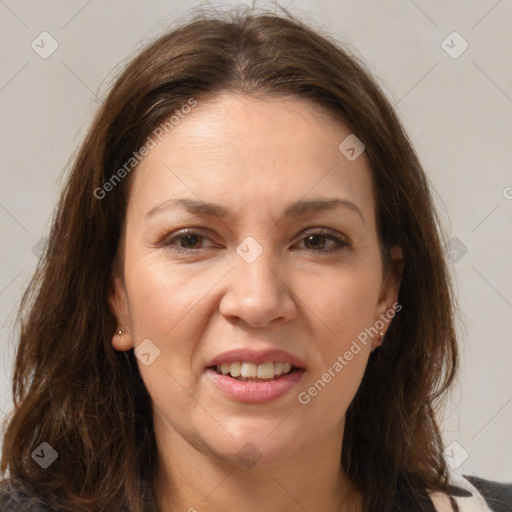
(498, 495)
(474, 494)
(15, 497)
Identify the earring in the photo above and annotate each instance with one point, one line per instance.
(120, 332)
(381, 338)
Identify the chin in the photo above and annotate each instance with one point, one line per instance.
(255, 443)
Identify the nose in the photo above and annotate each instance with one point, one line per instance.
(258, 293)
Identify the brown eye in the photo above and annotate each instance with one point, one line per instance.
(184, 241)
(317, 241)
(187, 241)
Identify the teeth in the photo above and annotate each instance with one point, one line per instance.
(248, 370)
(235, 369)
(245, 370)
(265, 371)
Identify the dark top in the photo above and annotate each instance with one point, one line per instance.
(497, 495)
(14, 497)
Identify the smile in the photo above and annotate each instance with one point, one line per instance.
(251, 383)
(246, 370)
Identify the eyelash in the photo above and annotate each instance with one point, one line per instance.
(339, 241)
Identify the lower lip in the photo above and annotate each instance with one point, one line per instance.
(255, 392)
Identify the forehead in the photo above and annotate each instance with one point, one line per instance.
(252, 152)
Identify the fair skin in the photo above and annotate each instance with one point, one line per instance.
(254, 157)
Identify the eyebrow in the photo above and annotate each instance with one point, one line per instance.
(296, 209)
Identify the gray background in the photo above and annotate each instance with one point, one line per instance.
(458, 112)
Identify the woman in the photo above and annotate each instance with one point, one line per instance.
(244, 303)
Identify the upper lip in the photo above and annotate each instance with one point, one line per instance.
(256, 357)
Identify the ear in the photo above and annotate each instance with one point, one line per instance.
(119, 305)
(388, 297)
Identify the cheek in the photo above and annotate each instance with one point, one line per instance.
(161, 294)
(344, 308)
(168, 304)
(345, 303)
(155, 297)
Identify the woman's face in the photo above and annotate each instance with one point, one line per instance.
(282, 255)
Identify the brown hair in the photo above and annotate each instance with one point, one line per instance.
(73, 390)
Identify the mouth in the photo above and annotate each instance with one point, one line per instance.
(249, 372)
(254, 384)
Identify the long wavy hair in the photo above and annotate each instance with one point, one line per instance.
(73, 390)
